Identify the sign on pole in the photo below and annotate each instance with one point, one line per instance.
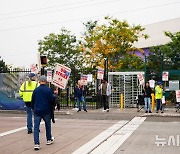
(141, 78)
(100, 73)
(49, 75)
(178, 95)
(165, 76)
(89, 78)
(61, 76)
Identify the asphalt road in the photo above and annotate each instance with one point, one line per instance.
(118, 131)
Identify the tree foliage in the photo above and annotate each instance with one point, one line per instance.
(113, 40)
(3, 66)
(61, 48)
(167, 56)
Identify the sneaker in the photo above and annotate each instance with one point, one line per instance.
(162, 112)
(146, 112)
(50, 141)
(78, 110)
(107, 110)
(150, 112)
(29, 131)
(36, 147)
(85, 110)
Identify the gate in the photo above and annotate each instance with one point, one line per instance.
(125, 83)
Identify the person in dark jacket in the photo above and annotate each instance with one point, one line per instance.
(79, 94)
(42, 100)
(147, 97)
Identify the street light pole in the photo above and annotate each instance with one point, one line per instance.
(106, 68)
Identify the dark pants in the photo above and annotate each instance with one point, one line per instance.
(105, 102)
(158, 104)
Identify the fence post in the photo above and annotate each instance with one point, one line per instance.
(121, 102)
(153, 101)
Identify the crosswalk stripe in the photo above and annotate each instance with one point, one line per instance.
(118, 138)
(91, 145)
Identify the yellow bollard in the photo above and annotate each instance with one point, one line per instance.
(153, 101)
(121, 102)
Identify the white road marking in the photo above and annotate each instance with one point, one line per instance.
(117, 139)
(88, 147)
(15, 130)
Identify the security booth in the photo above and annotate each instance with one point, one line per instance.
(124, 84)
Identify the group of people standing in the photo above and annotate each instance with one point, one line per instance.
(147, 91)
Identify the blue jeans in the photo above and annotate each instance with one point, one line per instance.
(79, 100)
(37, 120)
(147, 102)
(158, 104)
(29, 118)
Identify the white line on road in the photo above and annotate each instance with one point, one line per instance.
(88, 147)
(14, 131)
(117, 139)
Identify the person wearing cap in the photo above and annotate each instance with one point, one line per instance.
(25, 93)
(42, 102)
(158, 97)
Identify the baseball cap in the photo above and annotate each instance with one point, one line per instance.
(159, 83)
(31, 75)
(43, 78)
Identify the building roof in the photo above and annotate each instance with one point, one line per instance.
(156, 33)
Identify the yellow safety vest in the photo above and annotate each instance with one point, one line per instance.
(26, 90)
(158, 92)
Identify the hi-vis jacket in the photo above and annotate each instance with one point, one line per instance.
(26, 90)
(158, 92)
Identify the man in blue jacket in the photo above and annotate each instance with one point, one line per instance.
(42, 101)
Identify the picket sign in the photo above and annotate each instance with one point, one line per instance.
(61, 76)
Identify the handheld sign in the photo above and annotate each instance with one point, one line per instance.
(141, 78)
(177, 95)
(100, 73)
(49, 75)
(84, 79)
(165, 76)
(61, 76)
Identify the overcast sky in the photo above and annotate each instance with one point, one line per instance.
(24, 22)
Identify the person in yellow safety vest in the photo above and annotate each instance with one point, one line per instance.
(158, 96)
(25, 93)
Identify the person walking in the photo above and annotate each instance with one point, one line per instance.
(158, 97)
(42, 103)
(147, 97)
(105, 89)
(79, 94)
(25, 93)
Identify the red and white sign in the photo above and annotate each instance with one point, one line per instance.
(61, 76)
(141, 78)
(177, 95)
(165, 76)
(34, 68)
(100, 73)
(84, 80)
(49, 75)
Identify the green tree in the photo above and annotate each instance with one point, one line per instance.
(3, 66)
(61, 48)
(167, 56)
(113, 40)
